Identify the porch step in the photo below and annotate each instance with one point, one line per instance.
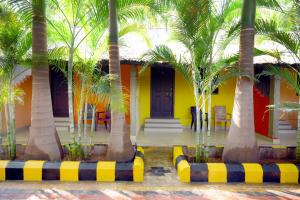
(61, 123)
(163, 130)
(62, 128)
(152, 120)
(292, 131)
(284, 128)
(61, 119)
(283, 122)
(163, 125)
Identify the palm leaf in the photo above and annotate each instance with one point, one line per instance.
(164, 54)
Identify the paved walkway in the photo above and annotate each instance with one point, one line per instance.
(213, 192)
(161, 182)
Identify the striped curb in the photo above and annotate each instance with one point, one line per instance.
(233, 172)
(104, 171)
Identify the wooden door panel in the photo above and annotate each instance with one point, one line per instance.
(162, 92)
(59, 94)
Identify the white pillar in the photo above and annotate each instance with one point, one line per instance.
(276, 112)
(133, 103)
(299, 116)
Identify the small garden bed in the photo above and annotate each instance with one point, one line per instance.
(107, 171)
(219, 172)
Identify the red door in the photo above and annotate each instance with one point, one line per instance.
(162, 92)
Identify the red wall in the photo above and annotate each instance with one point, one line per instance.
(261, 115)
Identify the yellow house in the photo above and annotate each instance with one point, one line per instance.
(160, 99)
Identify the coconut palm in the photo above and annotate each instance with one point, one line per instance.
(120, 147)
(241, 145)
(43, 140)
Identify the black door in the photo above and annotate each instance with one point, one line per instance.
(59, 93)
(162, 92)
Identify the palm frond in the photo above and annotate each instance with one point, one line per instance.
(289, 75)
(164, 54)
(286, 107)
(270, 4)
(290, 40)
(138, 29)
(22, 7)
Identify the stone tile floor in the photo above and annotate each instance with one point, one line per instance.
(161, 182)
(187, 137)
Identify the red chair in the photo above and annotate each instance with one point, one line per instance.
(104, 117)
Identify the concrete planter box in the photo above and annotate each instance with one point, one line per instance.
(265, 152)
(106, 171)
(233, 172)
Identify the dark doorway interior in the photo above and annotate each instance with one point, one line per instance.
(162, 92)
(59, 93)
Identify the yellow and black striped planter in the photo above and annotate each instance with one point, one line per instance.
(229, 172)
(106, 171)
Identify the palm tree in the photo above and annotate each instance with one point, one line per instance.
(15, 41)
(43, 139)
(241, 145)
(120, 147)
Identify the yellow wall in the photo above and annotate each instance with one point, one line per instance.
(183, 97)
(144, 87)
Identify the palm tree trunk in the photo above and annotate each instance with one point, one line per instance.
(197, 100)
(6, 118)
(93, 124)
(209, 111)
(120, 147)
(241, 144)
(203, 131)
(1, 126)
(43, 143)
(198, 108)
(85, 115)
(12, 132)
(1, 139)
(70, 92)
(298, 137)
(81, 102)
(12, 123)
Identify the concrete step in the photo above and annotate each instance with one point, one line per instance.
(283, 122)
(163, 125)
(62, 128)
(163, 130)
(61, 124)
(284, 127)
(151, 120)
(291, 131)
(61, 119)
